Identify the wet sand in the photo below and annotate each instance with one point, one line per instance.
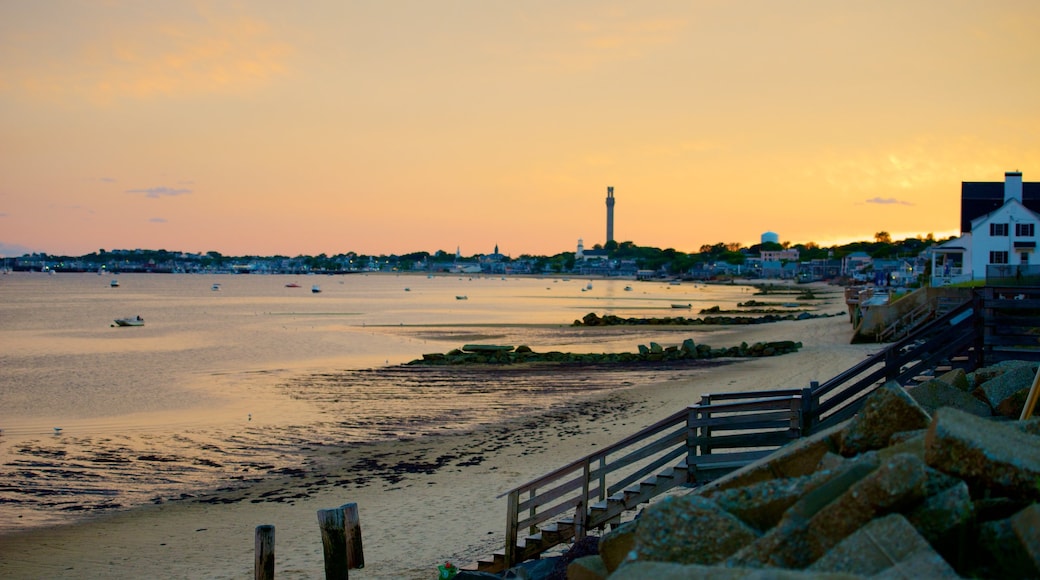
(423, 497)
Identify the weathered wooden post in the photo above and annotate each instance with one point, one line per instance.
(352, 525)
(341, 540)
(263, 565)
(334, 543)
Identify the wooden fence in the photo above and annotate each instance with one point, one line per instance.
(719, 434)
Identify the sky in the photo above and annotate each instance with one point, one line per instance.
(265, 127)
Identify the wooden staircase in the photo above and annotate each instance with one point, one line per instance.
(608, 512)
(724, 432)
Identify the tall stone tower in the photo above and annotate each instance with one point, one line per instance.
(610, 214)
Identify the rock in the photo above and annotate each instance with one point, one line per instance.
(957, 379)
(689, 346)
(817, 523)
(980, 376)
(672, 571)
(1013, 544)
(886, 411)
(998, 388)
(587, 568)
(761, 505)
(942, 516)
(486, 348)
(988, 455)
(881, 545)
(689, 529)
(935, 394)
(615, 545)
(1012, 405)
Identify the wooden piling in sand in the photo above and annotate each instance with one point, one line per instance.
(263, 566)
(341, 540)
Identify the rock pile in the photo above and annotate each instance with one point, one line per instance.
(593, 319)
(654, 352)
(922, 482)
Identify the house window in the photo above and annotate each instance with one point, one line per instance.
(998, 257)
(1024, 230)
(998, 229)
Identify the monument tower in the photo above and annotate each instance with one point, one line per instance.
(610, 214)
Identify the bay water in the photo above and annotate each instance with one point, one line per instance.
(232, 375)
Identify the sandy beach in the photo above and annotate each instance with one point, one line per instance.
(421, 501)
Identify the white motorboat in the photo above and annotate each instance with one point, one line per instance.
(129, 321)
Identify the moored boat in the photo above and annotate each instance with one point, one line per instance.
(129, 321)
(114, 283)
(315, 289)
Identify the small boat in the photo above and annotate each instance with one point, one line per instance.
(129, 321)
(114, 283)
(216, 287)
(682, 306)
(292, 285)
(461, 297)
(315, 289)
(628, 288)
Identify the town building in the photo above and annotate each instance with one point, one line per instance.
(1000, 223)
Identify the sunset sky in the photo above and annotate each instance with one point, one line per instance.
(391, 126)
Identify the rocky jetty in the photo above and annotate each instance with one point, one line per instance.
(652, 353)
(593, 319)
(920, 483)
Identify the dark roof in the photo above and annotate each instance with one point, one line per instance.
(979, 198)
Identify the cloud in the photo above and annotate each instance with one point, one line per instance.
(157, 192)
(115, 54)
(888, 201)
(158, 220)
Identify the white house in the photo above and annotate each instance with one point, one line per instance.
(1004, 237)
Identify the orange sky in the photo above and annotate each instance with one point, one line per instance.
(327, 126)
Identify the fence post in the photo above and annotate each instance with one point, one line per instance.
(580, 520)
(512, 515)
(352, 525)
(263, 563)
(809, 408)
(334, 543)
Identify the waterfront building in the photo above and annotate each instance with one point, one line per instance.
(1000, 223)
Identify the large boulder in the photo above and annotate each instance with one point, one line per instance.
(1013, 544)
(689, 530)
(888, 545)
(935, 394)
(887, 411)
(817, 523)
(990, 456)
(995, 390)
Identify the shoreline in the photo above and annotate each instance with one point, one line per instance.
(422, 500)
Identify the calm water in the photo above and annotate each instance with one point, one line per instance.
(193, 396)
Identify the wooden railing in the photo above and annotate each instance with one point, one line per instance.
(1009, 325)
(726, 431)
(694, 445)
